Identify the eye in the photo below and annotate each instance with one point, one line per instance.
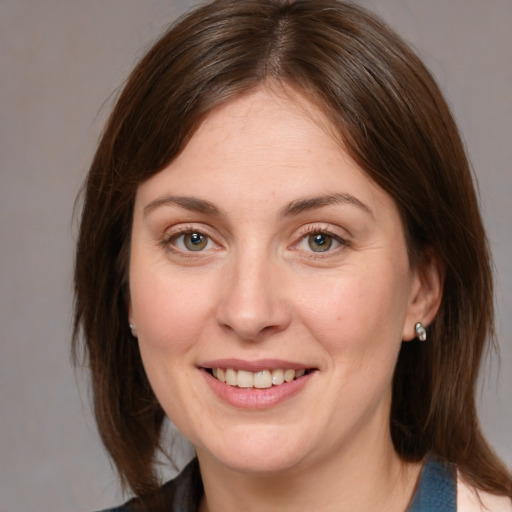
(192, 241)
(319, 241)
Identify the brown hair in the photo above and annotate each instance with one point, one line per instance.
(394, 123)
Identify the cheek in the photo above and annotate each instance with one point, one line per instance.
(358, 311)
(169, 309)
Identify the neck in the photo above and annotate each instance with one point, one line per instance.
(364, 478)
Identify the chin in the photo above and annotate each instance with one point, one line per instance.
(260, 466)
(260, 451)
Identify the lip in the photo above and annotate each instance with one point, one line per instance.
(254, 366)
(252, 398)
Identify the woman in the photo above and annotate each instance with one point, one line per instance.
(281, 251)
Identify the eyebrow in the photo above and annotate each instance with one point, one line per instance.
(193, 204)
(295, 207)
(313, 203)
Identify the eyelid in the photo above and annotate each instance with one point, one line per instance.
(179, 230)
(312, 229)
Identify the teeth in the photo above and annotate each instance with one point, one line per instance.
(231, 377)
(289, 375)
(261, 380)
(245, 379)
(277, 377)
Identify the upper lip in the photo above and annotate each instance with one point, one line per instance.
(255, 366)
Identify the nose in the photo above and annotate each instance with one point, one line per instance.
(253, 304)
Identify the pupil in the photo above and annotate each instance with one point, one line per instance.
(196, 238)
(320, 242)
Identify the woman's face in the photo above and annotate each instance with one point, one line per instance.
(263, 254)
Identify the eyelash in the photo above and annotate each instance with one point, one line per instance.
(321, 230)
(169, 241)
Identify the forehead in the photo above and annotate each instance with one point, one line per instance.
(270, 115)
(263, 145)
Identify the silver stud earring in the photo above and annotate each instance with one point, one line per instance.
(421, 332)
(133, 330)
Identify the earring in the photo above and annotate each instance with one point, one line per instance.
(421, 332)
(133, 330)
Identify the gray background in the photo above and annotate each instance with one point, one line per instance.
(61, 62)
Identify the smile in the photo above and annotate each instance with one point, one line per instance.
(262, 379)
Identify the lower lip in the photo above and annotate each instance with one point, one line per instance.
(253, 398)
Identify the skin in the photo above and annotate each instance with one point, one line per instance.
(257, 290)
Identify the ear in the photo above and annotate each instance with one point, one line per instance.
(127, 297)
(128, 300)
(425, 294)
(131, 323)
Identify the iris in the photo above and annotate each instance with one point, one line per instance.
(320, 242)
(195, 241)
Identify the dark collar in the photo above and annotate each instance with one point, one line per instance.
(435, 492)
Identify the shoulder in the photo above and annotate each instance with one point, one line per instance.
(470, 499)
(183, 494)
(122, 508)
